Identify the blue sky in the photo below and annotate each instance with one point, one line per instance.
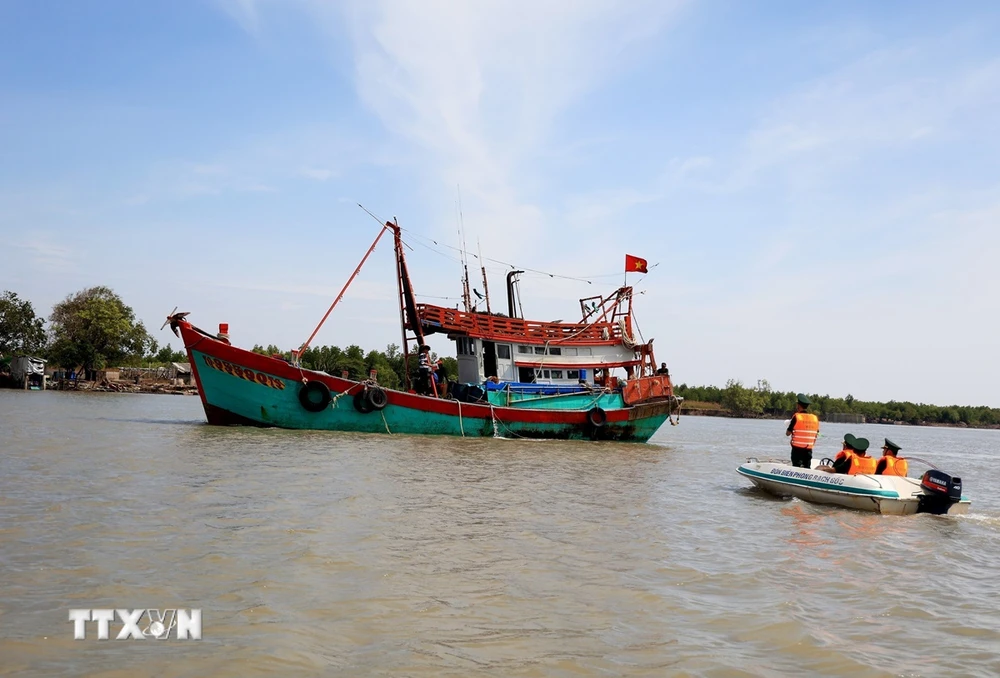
(817, 184)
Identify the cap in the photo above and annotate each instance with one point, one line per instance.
(803, 400)
(849, 439)
(892, 446)
(861, 444)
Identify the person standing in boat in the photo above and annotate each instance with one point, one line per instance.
(424, 366)
(890, 464)
(804, 429)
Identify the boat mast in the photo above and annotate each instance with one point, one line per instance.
(407, 303)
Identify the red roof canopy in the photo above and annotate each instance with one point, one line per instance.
(501, 328)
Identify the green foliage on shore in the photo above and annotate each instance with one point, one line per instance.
(21, 331)
(389, 365)
(761, 401)
(746, 402)
(94, 328)
(166, 355)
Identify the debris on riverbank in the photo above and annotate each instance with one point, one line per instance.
(106, 386)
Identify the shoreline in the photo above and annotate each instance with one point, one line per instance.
(158, 388)
(719, 412)
(192, 390)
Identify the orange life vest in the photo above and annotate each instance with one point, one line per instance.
(862, 465)
(848, 454)
(894, 466)
(805, 430)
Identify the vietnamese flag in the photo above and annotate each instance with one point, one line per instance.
(635, 264)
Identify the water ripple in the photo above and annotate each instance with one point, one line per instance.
(318, 553)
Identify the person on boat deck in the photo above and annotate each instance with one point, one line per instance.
(804, 429)
(857, 462)
(846, 450)
(842, 462)
(440, 379)
(663, 370)
(890, 464)
(424, 365)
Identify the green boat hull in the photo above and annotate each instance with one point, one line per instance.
(241, 388)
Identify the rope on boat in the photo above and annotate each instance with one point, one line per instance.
(366, 383)
(509, 432)
(382, 412)
(628, 341)
(493, 417)
(334, 399)
(545, 353)
(461, 426)
(594, 401)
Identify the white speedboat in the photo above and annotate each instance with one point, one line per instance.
(935, 492)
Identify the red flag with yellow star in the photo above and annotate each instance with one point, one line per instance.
(635, 264)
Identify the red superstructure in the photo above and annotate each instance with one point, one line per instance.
(501, 328)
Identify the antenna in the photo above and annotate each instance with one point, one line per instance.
(465, 259)
(486, 287)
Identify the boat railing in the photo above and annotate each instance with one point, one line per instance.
(922, 461)
(489, 326)
(768, 460)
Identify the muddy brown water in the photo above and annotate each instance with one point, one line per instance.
(327, 554)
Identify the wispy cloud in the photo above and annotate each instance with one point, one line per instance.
(888, 100)
(265, 164)
(360, 290)
(316, 173)
(244, 12)
(475, 93)
(47, 255)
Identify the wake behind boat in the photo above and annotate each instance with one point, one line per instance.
(935, 492)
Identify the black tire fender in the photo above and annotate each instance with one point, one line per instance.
(361, 403)
(314, 396)
(376, 398)
(597, 417)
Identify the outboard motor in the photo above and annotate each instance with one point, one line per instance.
(940, 492)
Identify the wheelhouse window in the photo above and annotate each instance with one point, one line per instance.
(542, 350)
(503, 351)
(557, 374)
(572, 374)
(465, 346)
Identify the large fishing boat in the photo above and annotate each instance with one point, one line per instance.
(516, 377)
